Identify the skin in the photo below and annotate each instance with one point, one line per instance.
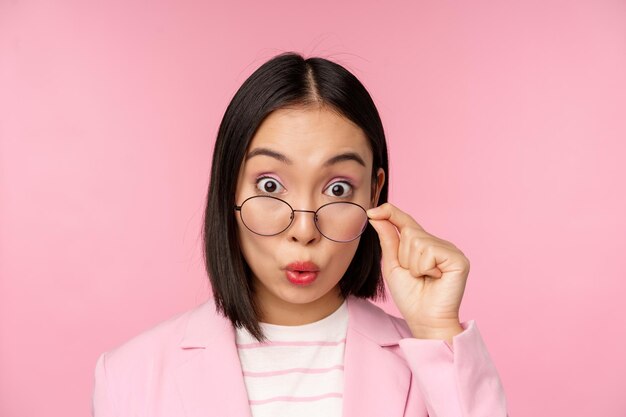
(424, 274)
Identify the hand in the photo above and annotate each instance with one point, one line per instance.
(425, 275)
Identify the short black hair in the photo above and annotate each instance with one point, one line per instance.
(286, 80)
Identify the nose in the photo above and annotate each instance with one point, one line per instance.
(303, 228)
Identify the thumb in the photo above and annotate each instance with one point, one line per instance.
(389, 243)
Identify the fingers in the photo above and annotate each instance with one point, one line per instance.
(427, 263)
(412, 248)
(420, 257)
(388, 211)
(389, 242)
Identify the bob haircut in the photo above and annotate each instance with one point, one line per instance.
(286, 80)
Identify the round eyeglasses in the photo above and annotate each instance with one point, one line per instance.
(339, 221)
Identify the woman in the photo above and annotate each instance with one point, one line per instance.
(296, 224)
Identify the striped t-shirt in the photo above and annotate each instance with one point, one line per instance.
(299, 372)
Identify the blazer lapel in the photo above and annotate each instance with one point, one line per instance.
(376, 380)
(209, 376)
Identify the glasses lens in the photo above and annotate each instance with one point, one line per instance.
(265, 215)
(338, 221)
(341, 221)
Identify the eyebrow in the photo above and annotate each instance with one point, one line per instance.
(346, 156)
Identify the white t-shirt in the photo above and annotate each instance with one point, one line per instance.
(299, 372)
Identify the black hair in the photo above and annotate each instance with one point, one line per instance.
(286, 80)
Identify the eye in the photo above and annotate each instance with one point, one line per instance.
(268, 186)
(337, 188)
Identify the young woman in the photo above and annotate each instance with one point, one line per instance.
(296, 225)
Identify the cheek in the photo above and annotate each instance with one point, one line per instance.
(351, 250)
(342, 255)
(258, 251)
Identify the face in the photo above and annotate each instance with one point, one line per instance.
(306, 139)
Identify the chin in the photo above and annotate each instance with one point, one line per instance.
(295, 294)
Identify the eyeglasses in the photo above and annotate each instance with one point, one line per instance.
(340, 221)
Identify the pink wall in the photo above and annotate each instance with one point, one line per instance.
(506, 127)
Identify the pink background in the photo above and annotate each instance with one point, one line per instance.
(506, 126)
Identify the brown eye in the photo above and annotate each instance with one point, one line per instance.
(268, 186)
(338, 188)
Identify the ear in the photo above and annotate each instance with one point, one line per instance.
(377, 185)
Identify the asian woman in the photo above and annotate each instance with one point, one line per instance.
(299, 238)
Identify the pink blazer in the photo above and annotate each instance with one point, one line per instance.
(188, 366)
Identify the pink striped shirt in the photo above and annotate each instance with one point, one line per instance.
(299, 372)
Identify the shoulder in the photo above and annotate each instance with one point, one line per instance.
(126, 376)
(373, 321)
(401, 325)
(154, 345)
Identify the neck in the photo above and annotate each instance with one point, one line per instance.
(280, 312)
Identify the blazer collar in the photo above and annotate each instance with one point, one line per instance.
(207, 327)
(210, 380)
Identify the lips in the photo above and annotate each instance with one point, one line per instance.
(301, 273)
(301, 278)
(302, 266)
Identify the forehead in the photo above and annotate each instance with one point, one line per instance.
(310, 135)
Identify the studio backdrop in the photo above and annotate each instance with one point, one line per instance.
(505, 122)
